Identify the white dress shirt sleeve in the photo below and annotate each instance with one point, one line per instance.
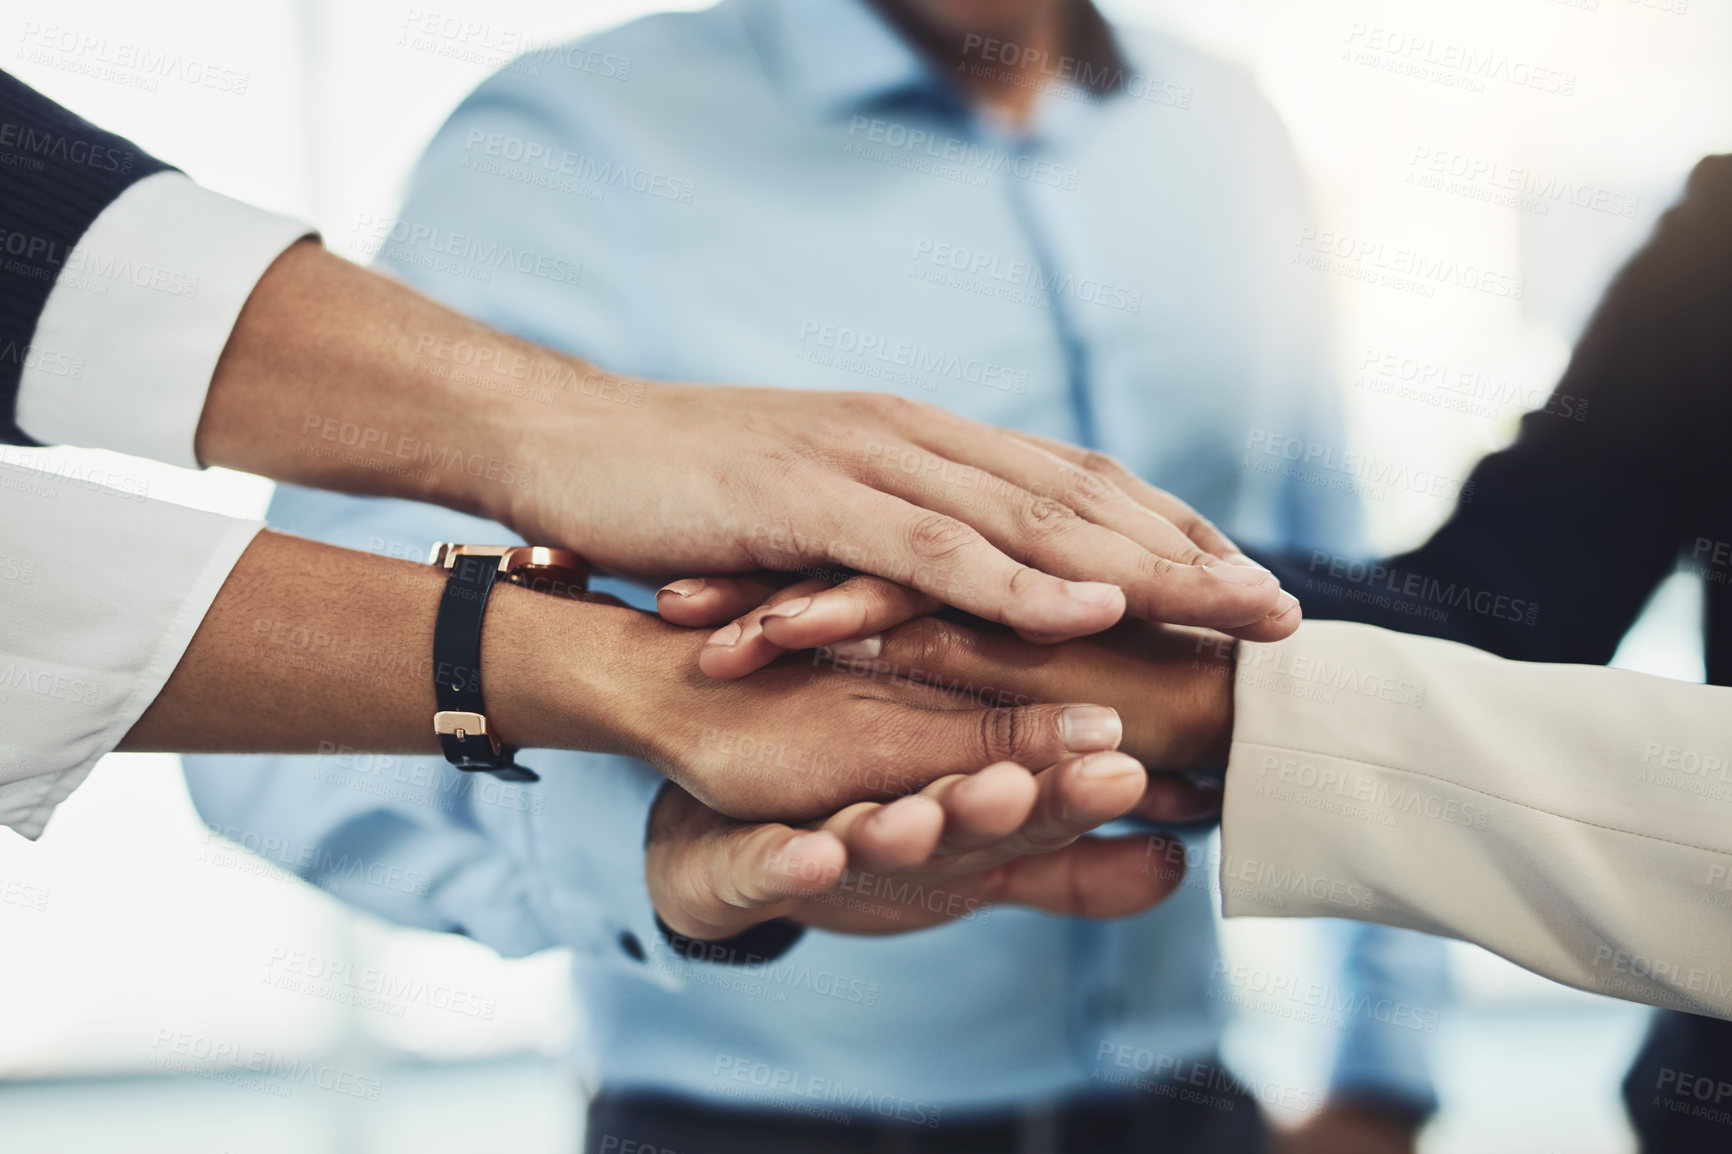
(125, 347)
(101, 590)
(1575, 819)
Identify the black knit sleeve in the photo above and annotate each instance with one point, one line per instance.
(57, 173)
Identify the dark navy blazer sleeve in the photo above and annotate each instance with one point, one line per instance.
(1558, 540)
(57, 173)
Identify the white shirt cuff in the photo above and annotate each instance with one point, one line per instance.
(125, 348)
(101, 591)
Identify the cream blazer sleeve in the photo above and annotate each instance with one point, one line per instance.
(1575, 819)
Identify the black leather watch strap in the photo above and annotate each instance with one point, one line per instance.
(457, 673)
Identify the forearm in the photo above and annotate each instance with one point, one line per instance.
(309, 644)
(336, 377)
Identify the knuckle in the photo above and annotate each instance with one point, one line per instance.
(1044, 518)
(1154, 567)
(1087, 490)
(1103, 465)
(1001, 733)
(934, 537)
(1023, 579)
(885, 406)
(929, 644)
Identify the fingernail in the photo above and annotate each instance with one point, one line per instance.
(1239, 574)
(1102, 766)
(1241, 559)
(684, 588)
(790, 608)
(1088, 728)
(1284, 605)
(1096, 593)
(727, 635)
(860, 647)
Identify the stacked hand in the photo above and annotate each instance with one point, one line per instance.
(964, 842)
(998, 835)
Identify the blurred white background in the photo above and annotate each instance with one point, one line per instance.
(151, 943)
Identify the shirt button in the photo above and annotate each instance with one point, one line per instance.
(632, 947)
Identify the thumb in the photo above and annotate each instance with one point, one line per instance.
(734, 875)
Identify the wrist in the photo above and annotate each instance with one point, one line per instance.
(555, 671)
(561, 438)
(1192, 720)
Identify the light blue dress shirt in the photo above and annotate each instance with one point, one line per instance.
(782, 192)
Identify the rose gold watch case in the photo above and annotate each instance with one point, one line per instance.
(541, 568)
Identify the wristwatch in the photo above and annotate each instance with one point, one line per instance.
(461, 722)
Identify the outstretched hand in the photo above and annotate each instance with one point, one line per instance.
(967, 841)
(1043, 537)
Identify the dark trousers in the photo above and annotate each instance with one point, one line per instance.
(1166, 1119)
(1679, 1090)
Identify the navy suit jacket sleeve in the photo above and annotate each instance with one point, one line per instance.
(1558, 540)
(57, 173)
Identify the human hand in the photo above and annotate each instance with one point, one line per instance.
(339, 378)
(766, 616)
(1045, 538)
(797, 741)
(1171, 687)
(964, 842)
